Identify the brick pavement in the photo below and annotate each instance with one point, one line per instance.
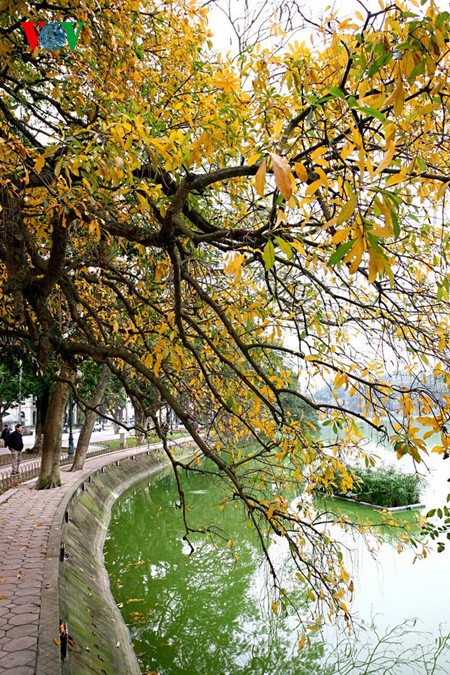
(26, 518)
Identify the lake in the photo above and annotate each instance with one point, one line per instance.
(209, 612)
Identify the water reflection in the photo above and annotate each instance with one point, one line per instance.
(210, 612)
(202, 613)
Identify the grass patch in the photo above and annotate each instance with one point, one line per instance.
(385, 486)
(130, 441)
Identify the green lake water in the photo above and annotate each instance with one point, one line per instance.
(209, 612)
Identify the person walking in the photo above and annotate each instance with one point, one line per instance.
(15, 443)
(5, 433)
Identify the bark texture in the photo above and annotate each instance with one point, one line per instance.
(49, 474)
(86, 430)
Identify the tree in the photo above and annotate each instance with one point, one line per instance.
(179, 233)
(53, 426)
(91, 412)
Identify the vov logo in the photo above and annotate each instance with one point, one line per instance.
(52, 35)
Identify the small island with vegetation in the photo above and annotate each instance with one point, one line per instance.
(384, 487)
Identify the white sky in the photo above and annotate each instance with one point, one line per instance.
(225, 39)
(313, 9)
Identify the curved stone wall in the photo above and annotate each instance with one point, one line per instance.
(102, 640)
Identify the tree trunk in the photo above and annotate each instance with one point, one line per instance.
(117, 414)
(41, 413)
(49, 474)
(140, 421)
(86, 430)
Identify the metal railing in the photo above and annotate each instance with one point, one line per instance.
(30, 468)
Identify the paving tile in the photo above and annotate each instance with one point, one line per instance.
(25, 592)
(20, 643)
(23, 619)
(22, 631)
(26, 607)
(26, 657)
(26, 599)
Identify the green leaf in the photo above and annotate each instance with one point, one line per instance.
(269, 255)
(395, 223)
(379, 63)
(340, 252)
(373, 112)
(338, 93)
(285, 247)
(418, 70)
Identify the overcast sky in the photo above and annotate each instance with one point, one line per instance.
(313, 9)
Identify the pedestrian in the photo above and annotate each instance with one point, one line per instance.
(15, 443)
(5, 433)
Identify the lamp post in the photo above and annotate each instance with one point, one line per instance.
(70, 448)
(20, 391)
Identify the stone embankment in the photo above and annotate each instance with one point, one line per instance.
(51, 569)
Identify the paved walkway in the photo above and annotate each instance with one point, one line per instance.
(26, 517)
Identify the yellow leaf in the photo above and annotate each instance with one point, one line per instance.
(301, 642)
(282, 173)
(318, 152)
(281, 217)
(270, 511)
(234, 266)
(356, 252)
(347, 150)
(260, 178)
(278, 128)
(298, 246)
(301, 171)
(341, 234)
(292, 203)
(347, 210)
(440, 193)
(143, 202)
(374, 267)
(285, 247)
(356, 136)
(275, 606)
(310, 190)
(397, 178)
(399, 100)
(253, 158)
(386, 159)
(39, 163)
(329, 223)
(158, 362)
(383, 231)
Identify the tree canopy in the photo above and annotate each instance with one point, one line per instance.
(200, 222)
